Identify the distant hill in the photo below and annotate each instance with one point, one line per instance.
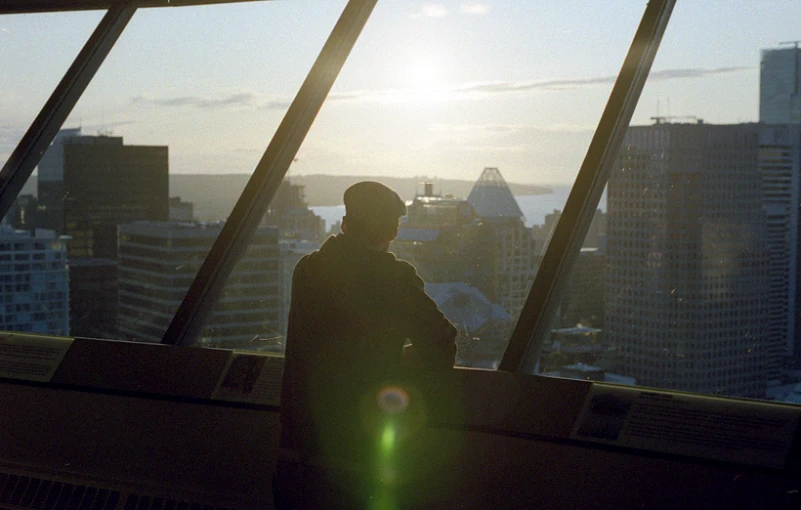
(214, 196)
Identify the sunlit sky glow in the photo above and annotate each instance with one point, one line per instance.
(431, 88)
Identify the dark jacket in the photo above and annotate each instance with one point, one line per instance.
(351, 312)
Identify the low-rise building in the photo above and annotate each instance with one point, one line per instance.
(34, 282)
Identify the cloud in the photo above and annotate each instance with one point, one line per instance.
(239, 99)
(275, 105)
(670, 74)
(473, 91)
(430, 11)
(475, 8)
(465, 92)
(504, 131)
(518, 86)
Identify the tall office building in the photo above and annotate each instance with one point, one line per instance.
(93, 298)
(515, 256)
(88, 185)
(780, 112)
(780, 167)
(595, 238)
(780, 86)
(157, 264)
(687, 276)
(34, 283)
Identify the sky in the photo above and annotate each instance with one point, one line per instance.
(436, 89)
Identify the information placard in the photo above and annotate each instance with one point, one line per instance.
(754, 433)
(31, 357)
(252, 378)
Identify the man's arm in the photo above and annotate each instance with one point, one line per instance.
(432, 334)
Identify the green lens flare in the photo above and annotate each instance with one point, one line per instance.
(388, 440)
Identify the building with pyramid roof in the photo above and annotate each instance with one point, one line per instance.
(492, 199)
(515, 249)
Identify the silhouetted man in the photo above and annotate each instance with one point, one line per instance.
(354, 306)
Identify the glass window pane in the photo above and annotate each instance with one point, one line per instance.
(158, 149)
(692, 285)
(37, 51)
(34, 277)
(479, 116)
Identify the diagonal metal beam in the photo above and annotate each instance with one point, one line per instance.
(34, 6)
(40, 134)
(533, 325)
(249, 210)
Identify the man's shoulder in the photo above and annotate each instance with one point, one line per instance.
(404, 271)
(404, 268)
(304, 261)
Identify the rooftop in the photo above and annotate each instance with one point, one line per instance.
(492, 199)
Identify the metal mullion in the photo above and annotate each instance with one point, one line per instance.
(36, 6)
(543, 300)
(249, 210)
(45, 126)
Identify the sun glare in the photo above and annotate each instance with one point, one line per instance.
(423, 72)
(423, 77)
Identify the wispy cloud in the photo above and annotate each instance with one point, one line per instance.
(475, 8)
(464, 92)
(239, 99)
(670, 74)
(518, 86)
(275, 105)
(482, 90)
(485, 130)
(430, 11)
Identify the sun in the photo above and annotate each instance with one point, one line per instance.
(423, 73)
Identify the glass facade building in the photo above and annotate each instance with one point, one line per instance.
(34, 281)
(157, 262)
(73, 201)
(780, 86)
(687, 280)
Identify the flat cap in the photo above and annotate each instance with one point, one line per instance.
(373, 201)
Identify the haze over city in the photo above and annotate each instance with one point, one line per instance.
(431, 88)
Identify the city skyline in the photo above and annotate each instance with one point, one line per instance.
(441, 88)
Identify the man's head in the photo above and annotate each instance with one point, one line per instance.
(372, 211)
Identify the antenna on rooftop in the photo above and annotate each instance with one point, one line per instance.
(794, 43)
(666, 119)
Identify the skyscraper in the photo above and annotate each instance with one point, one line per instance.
(780, 86)
(780, 168)
(157, 264)
(687, 280)
(515, 257)
(93, 298)
(88, 185)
